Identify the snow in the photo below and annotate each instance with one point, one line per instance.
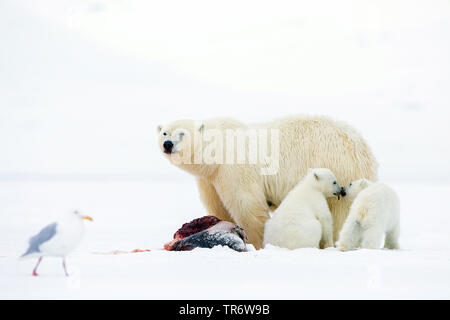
(126, 217)
(84, 83)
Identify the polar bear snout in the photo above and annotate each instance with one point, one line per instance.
(343, 193)
(168, 146)
(337, 190)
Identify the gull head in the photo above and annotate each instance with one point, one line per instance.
(82, 217)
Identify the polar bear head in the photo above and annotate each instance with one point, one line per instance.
(351, 191)
(201, 147)
(177, 140)
(176, 136)
(324, 180)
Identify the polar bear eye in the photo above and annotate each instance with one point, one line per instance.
(350, 184)
(165, 134)
(334, 182)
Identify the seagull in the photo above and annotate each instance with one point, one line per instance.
(57, 239)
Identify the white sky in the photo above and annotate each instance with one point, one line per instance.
(270, 45)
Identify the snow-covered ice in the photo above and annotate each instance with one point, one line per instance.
(128, 216)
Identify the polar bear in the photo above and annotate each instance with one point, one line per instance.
(303, 219)
(375, 211)
(240, 192)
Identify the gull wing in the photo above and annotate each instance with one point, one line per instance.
(43, 236)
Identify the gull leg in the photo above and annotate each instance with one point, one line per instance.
(64, 266)
(35, 268)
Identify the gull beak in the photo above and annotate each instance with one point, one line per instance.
(87, 218)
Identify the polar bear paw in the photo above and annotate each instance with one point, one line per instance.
(343, 246)
(324, 245)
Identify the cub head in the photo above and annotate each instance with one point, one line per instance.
(351, 191)
(324, 180)
(176, 139)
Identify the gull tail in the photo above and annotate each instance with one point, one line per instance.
(30, 253)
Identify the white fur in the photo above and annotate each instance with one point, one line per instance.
(240, 194)
(375, 211)
(303, 218)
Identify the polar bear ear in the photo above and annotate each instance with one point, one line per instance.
(158, 128)
(201, 126)
(363, 183)
(316, 176)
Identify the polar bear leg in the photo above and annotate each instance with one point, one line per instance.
(285, 234)
(326, 240)
(256, 213)
(350, 235)
(391, 240)
(372, 237)
(211, 200)
(309, 234)
(248, 207)
(253, 223)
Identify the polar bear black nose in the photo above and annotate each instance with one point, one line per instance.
(343, 193)
(168, 145)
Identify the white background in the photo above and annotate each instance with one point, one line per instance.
(83, 85)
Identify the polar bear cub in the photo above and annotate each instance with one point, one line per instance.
(375, 211)
(303, 218)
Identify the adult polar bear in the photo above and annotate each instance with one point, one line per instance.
(239, 193)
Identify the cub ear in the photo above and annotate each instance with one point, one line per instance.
(201, 127)
(158, 128)
(316, 176)
(363, 183)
